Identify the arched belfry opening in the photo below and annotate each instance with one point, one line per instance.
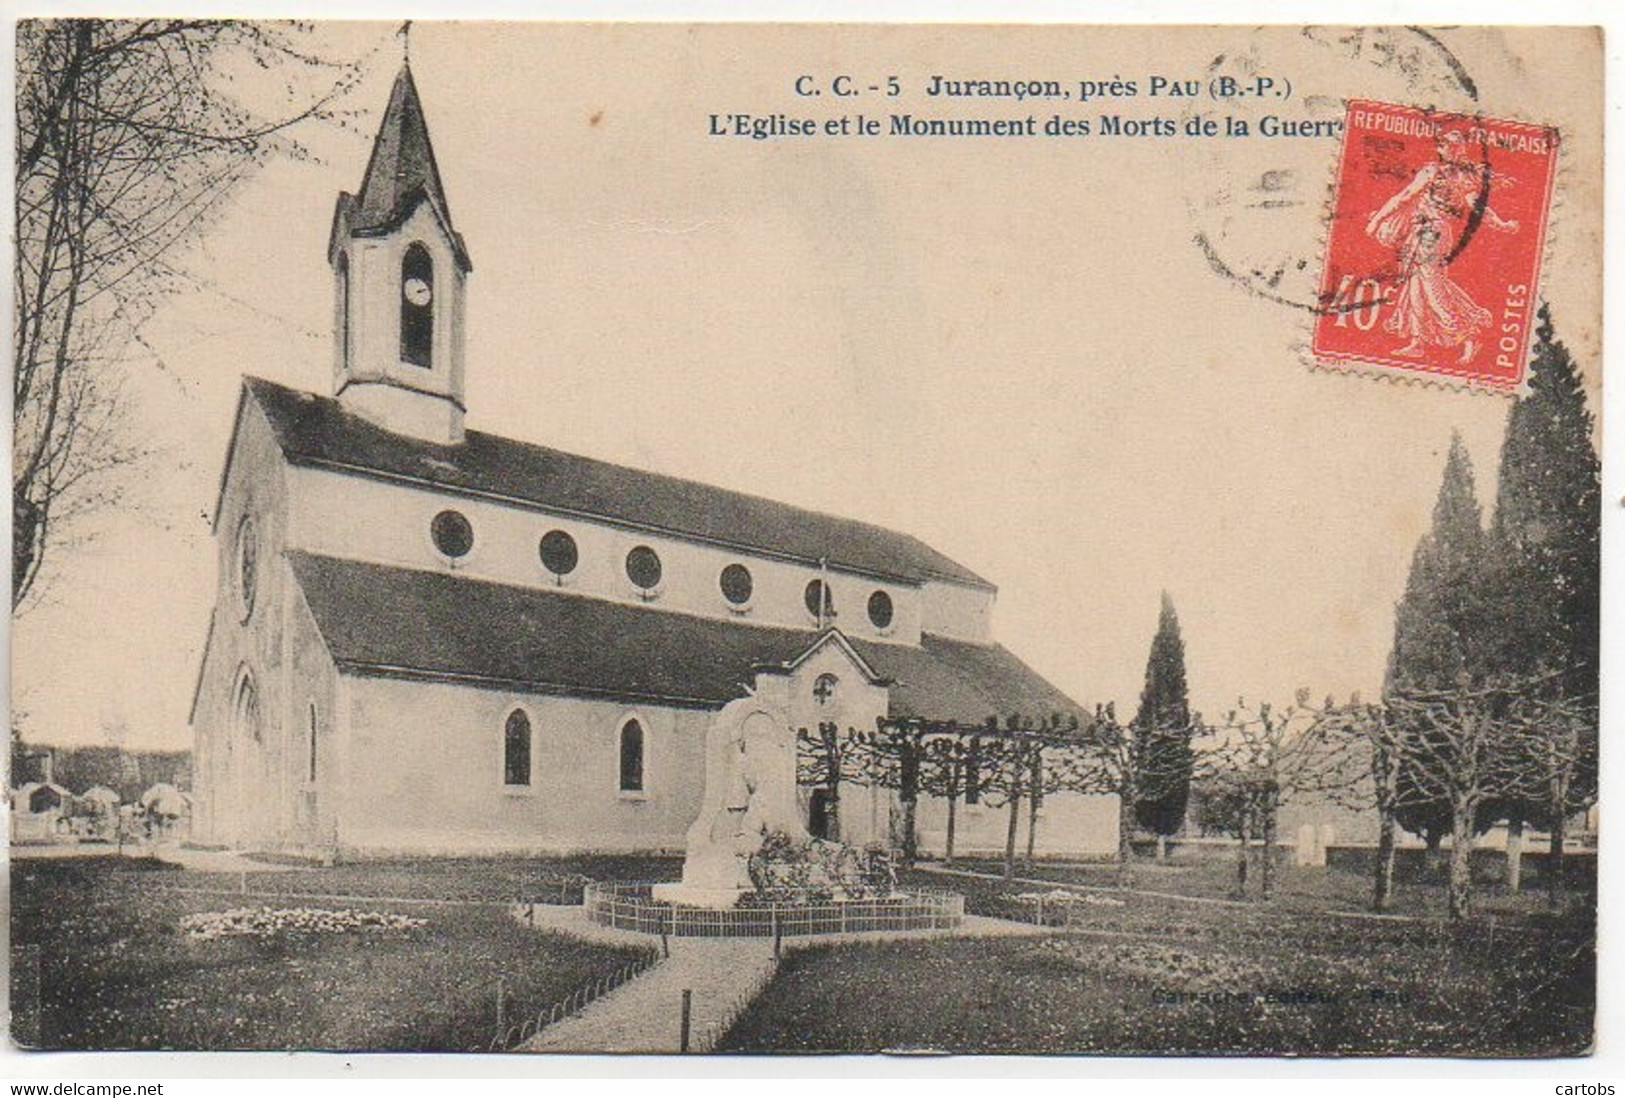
(341, 275)
(417, 307)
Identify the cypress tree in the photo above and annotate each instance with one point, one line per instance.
(1544, 567)
(1546, 539)
(1439, 624)
(1162, 727)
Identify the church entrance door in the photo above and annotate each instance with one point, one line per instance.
(818, 815)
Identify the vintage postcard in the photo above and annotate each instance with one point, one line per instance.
(548, 538)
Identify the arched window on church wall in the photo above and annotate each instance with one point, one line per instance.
(310, 767)
(516, 743)
(632, 757)
(246, 709)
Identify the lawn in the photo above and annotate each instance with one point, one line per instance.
(1143, 974)
(99, 961)
(1297, 888)
(498, 879)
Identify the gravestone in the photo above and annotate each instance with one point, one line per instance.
(1310, 848)
(1303, 851)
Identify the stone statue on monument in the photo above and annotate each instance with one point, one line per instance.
(749, 793)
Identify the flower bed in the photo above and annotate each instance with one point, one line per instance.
(1061, 897)
(265, 922)
(1054, 908)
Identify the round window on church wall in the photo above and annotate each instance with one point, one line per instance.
(452, 534)
(643, 567)
(737, 585)
(559, 553)
(248, 569)
(880, 610)
(818, 592)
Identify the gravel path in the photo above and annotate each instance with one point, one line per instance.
(724, 974)
(646, 1014)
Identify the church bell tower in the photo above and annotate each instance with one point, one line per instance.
(399, 274)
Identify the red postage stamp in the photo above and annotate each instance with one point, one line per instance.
(1433, 254)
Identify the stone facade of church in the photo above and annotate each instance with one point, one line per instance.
(429, 639)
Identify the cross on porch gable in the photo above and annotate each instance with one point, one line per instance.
(824, 689)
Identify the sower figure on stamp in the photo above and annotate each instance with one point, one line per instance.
(1420, 224)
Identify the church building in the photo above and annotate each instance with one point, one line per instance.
(427, 639)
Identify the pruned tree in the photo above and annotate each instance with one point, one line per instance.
(891, 756)
(1044, 777)
(1267, 756)
(909, 757)
(997, 766)
(1369, 730)
(1053, 747)
(1554, 766)
(825, 759)
(1004, 765)
(953, 771)
(1463, 747)
(1006, 769)
(1107, 756)
(131, 136)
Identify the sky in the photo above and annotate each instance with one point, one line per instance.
(1013, 351)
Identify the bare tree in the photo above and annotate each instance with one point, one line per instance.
(891, 757)
(1039, 758)
(131, 134)
(909, 757)
(1519, 742)
(1112, 762)
(1006, 769)
(1267, 756)
(824, 760)
(1108, 756)
(1462, 747)
(953, 771)
(1553, 762)
(1043, 778)
(1370, 727)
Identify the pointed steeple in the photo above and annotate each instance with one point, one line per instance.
(401, 173)
(402, 162)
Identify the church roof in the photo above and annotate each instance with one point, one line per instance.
(316, 431)
(382, 620)
(401, 173)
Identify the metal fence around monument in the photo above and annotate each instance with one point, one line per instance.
(633, 907)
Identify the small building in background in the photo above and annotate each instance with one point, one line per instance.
(167, 810)
(37, 809)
